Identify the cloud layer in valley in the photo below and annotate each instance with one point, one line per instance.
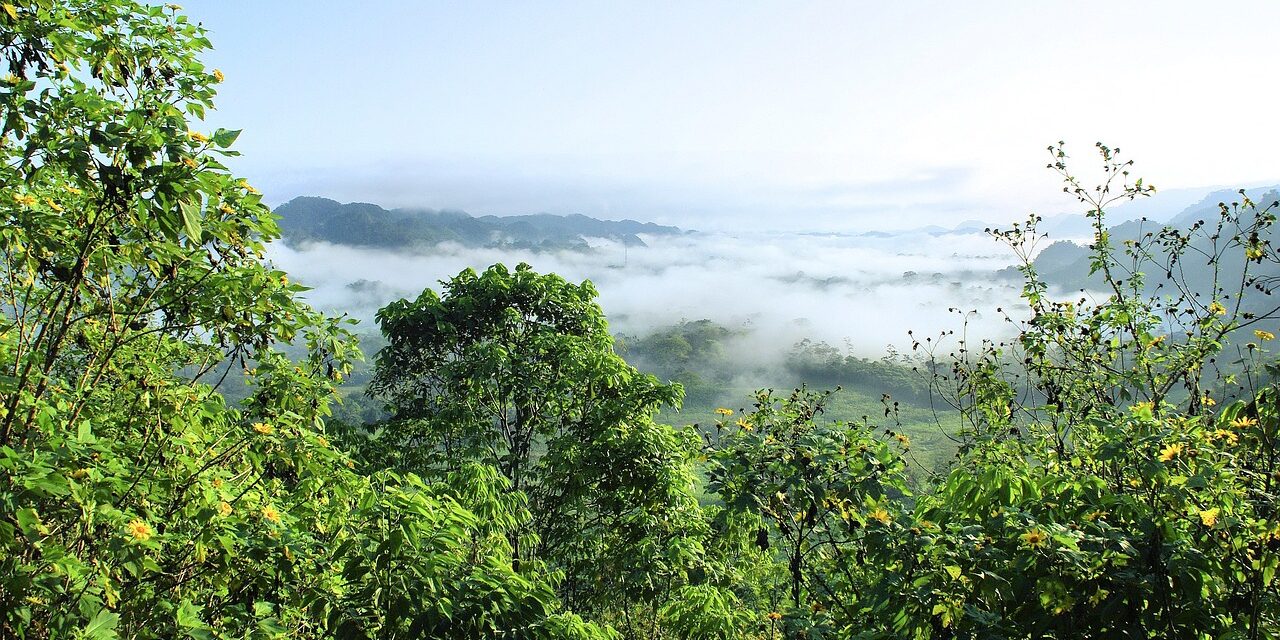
(866, 292)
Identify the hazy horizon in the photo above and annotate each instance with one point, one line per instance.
(826, 115)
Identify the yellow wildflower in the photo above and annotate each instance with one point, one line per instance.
(284, 280)
(23, 199)
(218, 75)
(724, 412)
(1034, 537)
(744, 424)
(1264, 336)
(139, 530)
(197, 136)
(217, 483)
(1209, 516)
(881, 516)
(73, 191)
(224, 509)
(1217, 309)
(53, 205)
(1208, 402)
(774, 616)
(1244, 422)
(322, 440)
(903, 439)
(1170, 452)
(269, 513)
(189, 162)
(263, 428)
(1155, 341)
(226, 208)
(1229, 436)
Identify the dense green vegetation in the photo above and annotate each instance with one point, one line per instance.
(1106, 482)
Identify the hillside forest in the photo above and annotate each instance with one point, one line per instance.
(187, 449)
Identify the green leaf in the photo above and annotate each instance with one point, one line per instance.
(101, 627)
(190, 219)
(225, 137)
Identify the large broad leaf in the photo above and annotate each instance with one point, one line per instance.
(190, 219)
(101, 627)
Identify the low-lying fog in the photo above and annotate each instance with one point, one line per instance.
(863, 292)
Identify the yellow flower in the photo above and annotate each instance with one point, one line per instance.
(1217, 309)
(189, 162)
(284, 280)
(263, 428)
(1170, 452)
(1254, 253)
(139, 530)
(218, 76)
(774, 616)
(1229, 436)
(323, 442)
(1264, 336)
(1034, 537)
(724, 412)
(23, 199)
(881, 516)
(197, 136)
(1139, 407)
(269, 513)
(226, 208)
(244, 184)
(903, 439)
(224, 509)
(1208, 402)
(73, 191)
(1209, 516)
(1156, 341)
(743, 423)
(1244, 422)
(217, 483)
(53, 205)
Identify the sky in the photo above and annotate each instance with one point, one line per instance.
(740, 114)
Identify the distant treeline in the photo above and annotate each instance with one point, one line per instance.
(311, 219)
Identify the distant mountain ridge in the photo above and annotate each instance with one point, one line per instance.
(1066, 264)
(308, 219)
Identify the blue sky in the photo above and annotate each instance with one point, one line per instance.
(804, 115)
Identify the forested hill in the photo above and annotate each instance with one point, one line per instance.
(311, 219)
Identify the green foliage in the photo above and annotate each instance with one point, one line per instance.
(820, 491)
(134, 500)
(517, 370)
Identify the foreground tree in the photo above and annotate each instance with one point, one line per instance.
(517, 370)
(1107, 486)
(134, 502)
